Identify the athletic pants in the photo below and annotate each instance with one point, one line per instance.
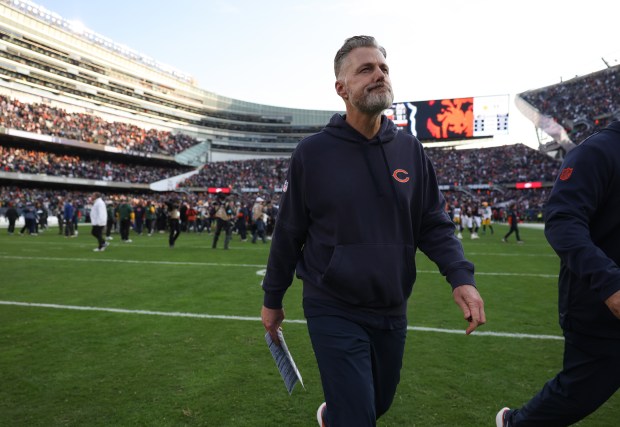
(359, 367)
(97, 232)
(125, 224)
(513, 229)
(590, 376)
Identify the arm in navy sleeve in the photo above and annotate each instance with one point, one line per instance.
(289, 237)
(574, 200)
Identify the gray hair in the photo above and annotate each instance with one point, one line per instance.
(353, 43)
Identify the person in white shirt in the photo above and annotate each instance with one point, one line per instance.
(98, 219)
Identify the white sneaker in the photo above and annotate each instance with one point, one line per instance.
(459, 236)
(128, 241)
(109, 238)
(474, 236)
(500, 420)
(99, 249)
(319, 414)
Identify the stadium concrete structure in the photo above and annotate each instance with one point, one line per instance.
(44, 59)
(47, 60)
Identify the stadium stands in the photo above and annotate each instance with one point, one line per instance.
(45, 60)
(504, 165)
(54, 121)
(46, 163)
(580, 106)
(77, 107)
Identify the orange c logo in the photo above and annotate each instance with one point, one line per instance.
(398, 172)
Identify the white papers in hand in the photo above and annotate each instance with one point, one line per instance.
(284, 362)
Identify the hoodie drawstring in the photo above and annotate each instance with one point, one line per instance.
(389, 172)
(365, 149)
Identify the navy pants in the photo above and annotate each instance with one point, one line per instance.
(359, 367)
(513, 229)
(589, 377)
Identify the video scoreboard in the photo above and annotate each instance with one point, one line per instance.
(451, 119)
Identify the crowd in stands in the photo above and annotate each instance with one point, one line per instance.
(246, 179)
(506, 164)
(499, 165)
(238, 174)
(582, 105)
(46, 163)
(50, 120)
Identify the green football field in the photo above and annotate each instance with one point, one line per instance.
(145, 335)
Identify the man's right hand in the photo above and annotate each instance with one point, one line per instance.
(272, 319)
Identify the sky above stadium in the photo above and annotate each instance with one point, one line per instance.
(281, 52)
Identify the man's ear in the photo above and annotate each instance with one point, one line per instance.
(341, 90)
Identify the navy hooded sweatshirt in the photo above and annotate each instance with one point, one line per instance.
(352, 215)
(582, 224)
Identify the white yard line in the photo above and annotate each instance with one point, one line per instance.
(257, 319)
(227, 265)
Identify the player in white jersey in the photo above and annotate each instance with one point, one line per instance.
(456, 219)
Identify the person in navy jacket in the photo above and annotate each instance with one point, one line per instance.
(582, 225)
(359, 199)
(68, 214)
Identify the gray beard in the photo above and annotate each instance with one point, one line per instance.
(375, 102)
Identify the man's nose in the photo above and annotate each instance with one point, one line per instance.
(380, 75)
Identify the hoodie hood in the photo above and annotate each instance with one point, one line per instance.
(339, 128)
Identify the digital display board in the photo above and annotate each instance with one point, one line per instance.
(450, 119)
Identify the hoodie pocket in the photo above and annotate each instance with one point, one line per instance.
(371, 275)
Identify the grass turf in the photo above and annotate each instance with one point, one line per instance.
(63, 366)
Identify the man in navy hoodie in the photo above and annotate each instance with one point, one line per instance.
(360, 197)
(583, 227)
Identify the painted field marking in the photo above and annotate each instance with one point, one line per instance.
(215, 264)
(257, 319)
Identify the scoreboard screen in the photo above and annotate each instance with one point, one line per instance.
(451, 119)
